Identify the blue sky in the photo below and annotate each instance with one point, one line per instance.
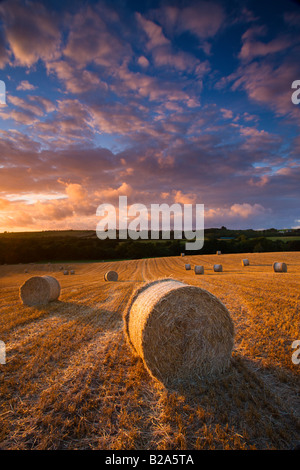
(164, 102)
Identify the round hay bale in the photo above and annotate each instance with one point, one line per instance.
(218, 252)
(245, 262)
(199, 269)
(39, 290)
(181, 332)
(182, 254)
(218, 268)
(72, 271)
(61, 268)
(280, 267)
(66, 273)
(187, 267)
(111, 276)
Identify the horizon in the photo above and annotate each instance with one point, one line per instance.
(163, 102)
(205, 229)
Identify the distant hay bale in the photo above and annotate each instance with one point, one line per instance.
(245, 262)
(111, 276)
(187, 267)
(218, 253)
(39, 290)
(61, 268)
(218, 268)
(66, 272)
(182, 254)
(181, 332)
(72, 271)
(199, 269)
(26, 271)
(280, 267)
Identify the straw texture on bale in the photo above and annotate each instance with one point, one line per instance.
(181, 332)
(39, 290)
(199, 269)
(66, 273)
(218, 268)
(111, 276)
(280, 267)
(245, 262)
(187, 267)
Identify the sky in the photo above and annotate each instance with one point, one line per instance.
(184, 102)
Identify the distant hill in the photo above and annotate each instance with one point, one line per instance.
(84, 245)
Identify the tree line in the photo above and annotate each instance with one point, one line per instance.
(50, 248)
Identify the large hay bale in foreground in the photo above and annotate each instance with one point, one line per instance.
(188, 267)
(280, 267)
(245, 262)
(39, 290)
(218, 268)
(111, 276)
(199, 269)
(181, 332)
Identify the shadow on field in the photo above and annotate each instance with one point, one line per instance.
(252, 405)
(81, 312)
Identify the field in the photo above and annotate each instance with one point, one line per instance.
(71, 382)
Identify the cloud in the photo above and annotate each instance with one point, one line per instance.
(4, 53)
(24, 85)
(246, 210)
(253, 48)
(76, 80)
(112, 195)
(154, 32)
(23, 104)
(31, 31)
(187, 198)
(128, 109)
(203, 19)
(269, 85)
(90, 39)
(75, 192)
(243, 215)
(22, 117)
(143, 61)
(43, 102)
(227, 113)
(163, 53)
(25, 112)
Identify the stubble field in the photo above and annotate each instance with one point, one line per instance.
(71, 382)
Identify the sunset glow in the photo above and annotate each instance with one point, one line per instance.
(175, 102)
